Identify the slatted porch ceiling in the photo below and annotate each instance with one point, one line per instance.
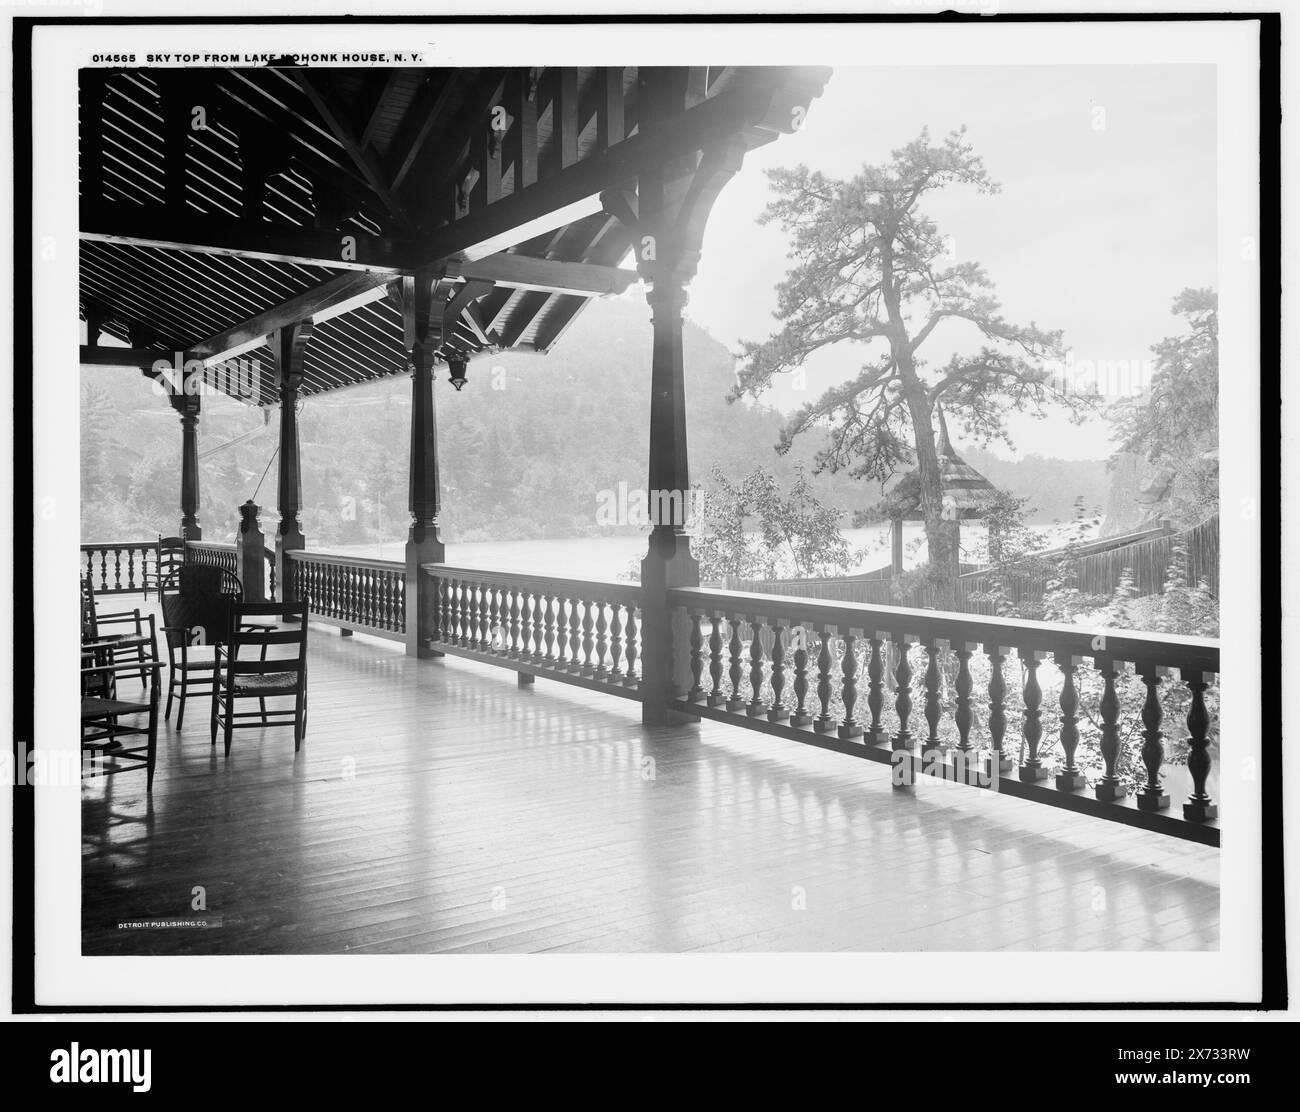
(244, 160)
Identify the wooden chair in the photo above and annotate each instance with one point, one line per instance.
(169, 556)
(97, 627)
(103, 712)
(262, 662)
(197, 601)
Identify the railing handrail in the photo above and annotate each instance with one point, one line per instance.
(609, 590)
(151, 543)
(300, 554)
(210, 546)
(1199, 654)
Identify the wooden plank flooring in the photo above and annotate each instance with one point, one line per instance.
(437, 807)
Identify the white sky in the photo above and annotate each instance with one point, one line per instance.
(1094, 231)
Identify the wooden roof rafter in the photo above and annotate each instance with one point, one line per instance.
(516, 227)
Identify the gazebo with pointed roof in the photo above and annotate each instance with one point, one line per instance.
(962, 483)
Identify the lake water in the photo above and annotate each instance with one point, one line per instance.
(612, 557)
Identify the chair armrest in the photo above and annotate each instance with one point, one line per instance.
(135, 666)
(109, 646)
(126, 618)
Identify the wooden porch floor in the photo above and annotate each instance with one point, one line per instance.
(437, 807)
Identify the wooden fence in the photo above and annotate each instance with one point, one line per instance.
(1145, 554)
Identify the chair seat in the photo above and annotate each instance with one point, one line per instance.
(93, 707)
(266, 683)
(205, 660)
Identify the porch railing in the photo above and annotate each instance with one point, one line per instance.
(119, 567)
(353, 593)
(1066, 716)
(799, 669)
(577, 632)
(226, 556)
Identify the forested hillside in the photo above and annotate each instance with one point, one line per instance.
(526, 447)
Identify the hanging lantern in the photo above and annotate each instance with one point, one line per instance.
(457, 367)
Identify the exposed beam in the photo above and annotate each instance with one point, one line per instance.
(428, 115)
(330, 299)
(131, 225)
(524, 272)
(141, 358)
(332, 113)
(472, 316)
(372, 122)
(757, 109)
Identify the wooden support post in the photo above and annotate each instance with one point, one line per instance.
(420, 312)
(288, 346)
(250, 553)
(673, 203)
(188, 405)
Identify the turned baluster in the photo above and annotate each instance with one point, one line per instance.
(997, 762)
(778, 712)
(902, 695)
(1109, 787)
(574, 662)
(440, 610)
(756, 705)
(875, 691)
(962, 715)
(1071, 777)
(589, 667)
(824, 723)
(850, 727)
(1032, 728)
(603, 644)
(904, 765)
(1151, 798)
(696, 691)
(799, 640)
(933, 746)
(514, 623)
(1198, 807)
(551, 623)
(496, 629)
(614, 644)
(737, 671)
(117, 569)
(716, 695)
(130, 567)
(633, 649)
(469, 615)
(482, 626)
(539, 627)
(526, 625)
